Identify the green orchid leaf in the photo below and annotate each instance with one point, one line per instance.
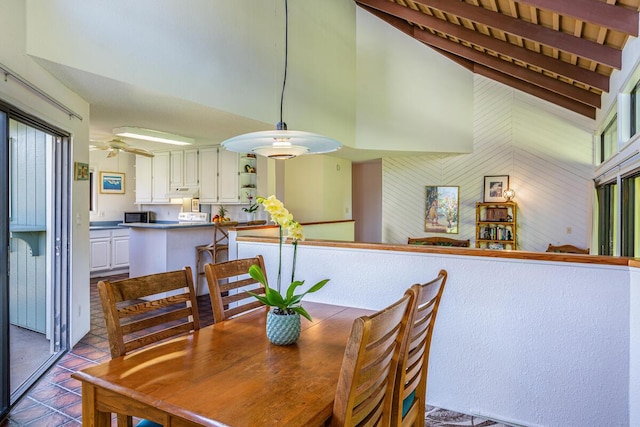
(317, 286)
(260, 298)
(301, 311)
(256, 274)
(292, 288)
(274, 298)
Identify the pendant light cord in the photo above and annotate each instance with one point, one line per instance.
(281, 124)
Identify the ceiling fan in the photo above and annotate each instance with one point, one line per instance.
(116, 145)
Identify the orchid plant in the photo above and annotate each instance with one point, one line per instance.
(290, 302)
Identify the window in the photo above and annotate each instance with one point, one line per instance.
(635, 109)
(607, 218)
(609, 139)
(630, 233)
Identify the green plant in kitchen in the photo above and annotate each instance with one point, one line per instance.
(253, 207)
(289, 303)
(222, 215)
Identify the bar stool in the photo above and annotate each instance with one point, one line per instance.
(220, 244)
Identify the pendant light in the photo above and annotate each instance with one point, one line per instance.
(282, 143)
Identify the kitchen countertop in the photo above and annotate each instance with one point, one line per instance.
(176, 225)
(104, 225)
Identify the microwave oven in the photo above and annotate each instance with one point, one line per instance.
(139, 216)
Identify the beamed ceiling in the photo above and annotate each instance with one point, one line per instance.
(562, 51)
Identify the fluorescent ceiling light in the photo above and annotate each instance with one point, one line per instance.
(153, 135)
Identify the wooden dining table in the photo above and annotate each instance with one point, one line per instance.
(226, 374)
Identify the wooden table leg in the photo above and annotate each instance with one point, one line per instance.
(91, 417)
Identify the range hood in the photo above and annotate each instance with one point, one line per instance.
(183, 193)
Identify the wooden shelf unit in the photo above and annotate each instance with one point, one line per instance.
(496, 225)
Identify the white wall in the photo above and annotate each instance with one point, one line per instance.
(545, 150)
(13, 55)
(527, 342)
(109, 207)
(409, 97)
(318, 188)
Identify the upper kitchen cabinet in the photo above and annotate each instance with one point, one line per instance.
(218, 176)
(161, 177)
(228, 190)
(221, 176)
(144, 185)
(184, 168)
(209, 175)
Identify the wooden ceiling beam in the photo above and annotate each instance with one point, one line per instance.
(522, 73)
(613, 17)
(536, 33)
(537, 91)
(570, 71)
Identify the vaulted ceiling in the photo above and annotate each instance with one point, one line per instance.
(562, 51)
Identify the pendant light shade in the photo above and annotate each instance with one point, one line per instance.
(282, 143)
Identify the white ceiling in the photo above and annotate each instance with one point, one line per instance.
(115, 104)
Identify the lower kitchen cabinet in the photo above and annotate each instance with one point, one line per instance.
(109, 251)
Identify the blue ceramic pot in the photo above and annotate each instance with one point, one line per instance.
(283, 329)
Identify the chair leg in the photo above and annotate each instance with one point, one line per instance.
(124, 420)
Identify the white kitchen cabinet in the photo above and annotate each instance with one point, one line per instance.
(184, 168)
(161, 176)
(109, 251)
(144, 179)
(208, 175)
(228, 190)
(176, 176)
(190, 168)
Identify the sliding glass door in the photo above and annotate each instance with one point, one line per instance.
(35, 211)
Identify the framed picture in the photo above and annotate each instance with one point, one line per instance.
(494, 186)
(81, 171)
(195, 205)
(441, 209)
(112, 182)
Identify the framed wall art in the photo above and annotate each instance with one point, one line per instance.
(112, 182)
(441, 209)
(494, 186)
(81, 171)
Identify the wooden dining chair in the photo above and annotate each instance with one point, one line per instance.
(365, 385)
(144, 310)
(567, 249)
(229, 283)
(410, 391)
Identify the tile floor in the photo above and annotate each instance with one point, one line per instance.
(56, 399)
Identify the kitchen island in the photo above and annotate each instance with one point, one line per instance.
(167, 246)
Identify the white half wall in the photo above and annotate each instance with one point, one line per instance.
(531, 343)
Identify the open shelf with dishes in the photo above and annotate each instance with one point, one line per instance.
(247, 178)
(496, 225)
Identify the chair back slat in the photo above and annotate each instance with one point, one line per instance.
(409, 401)
(229, 283)
(144, 310)
(365, 386)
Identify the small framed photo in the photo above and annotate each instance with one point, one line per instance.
(112, 182)
(494, 187)
(195, 205)
(81, 171)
